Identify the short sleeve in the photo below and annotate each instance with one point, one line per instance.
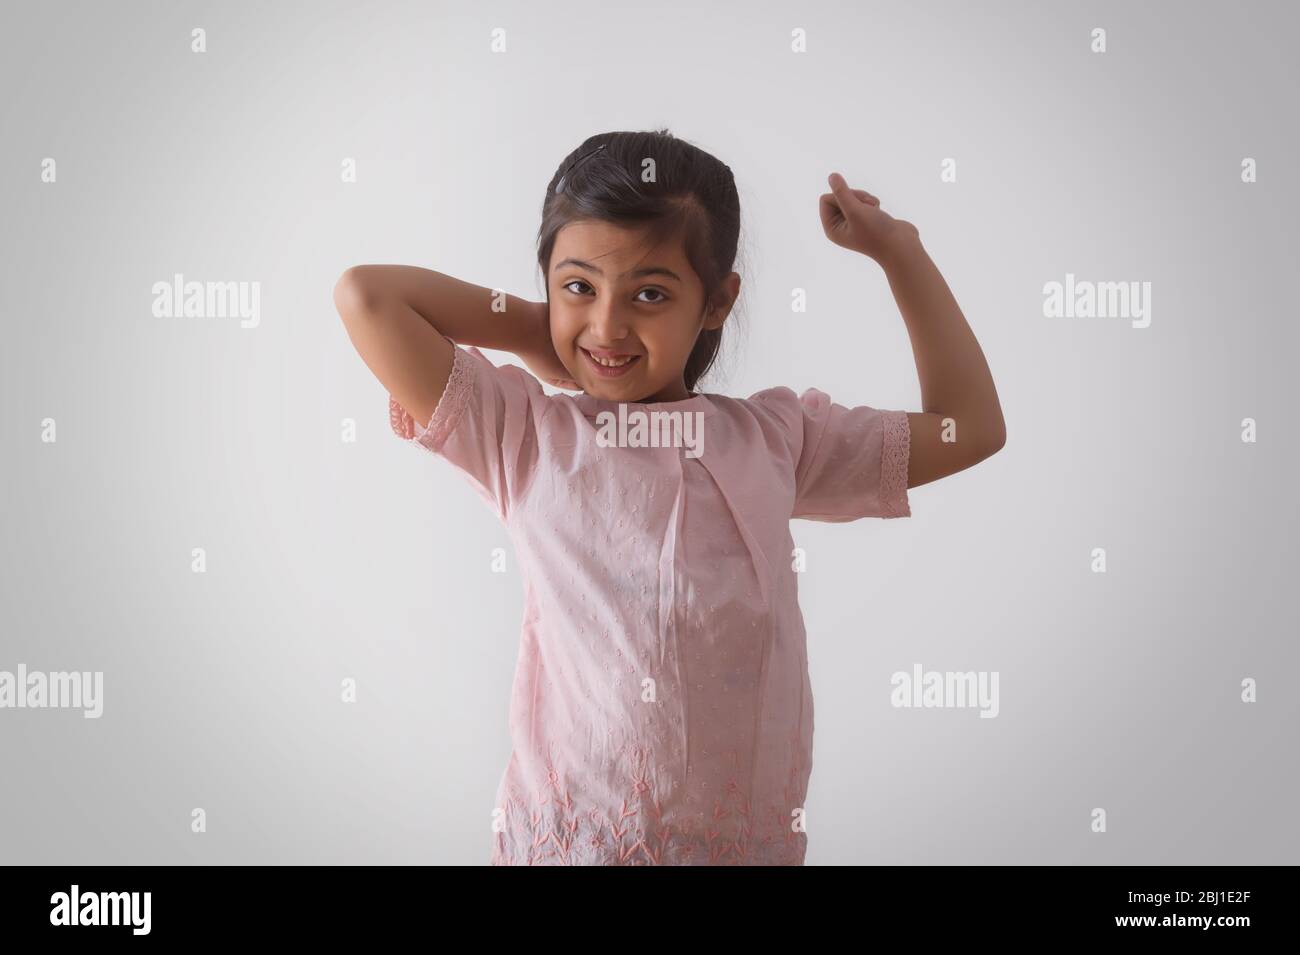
(484, 426)
(849, 463)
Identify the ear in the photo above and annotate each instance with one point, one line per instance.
(723, 302)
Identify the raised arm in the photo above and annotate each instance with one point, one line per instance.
(955, 380)
(956, 385)
(396, 316)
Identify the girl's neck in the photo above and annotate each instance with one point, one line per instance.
(677, 391)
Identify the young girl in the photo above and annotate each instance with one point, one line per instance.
(661, 711)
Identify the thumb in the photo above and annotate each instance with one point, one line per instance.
(843, 194)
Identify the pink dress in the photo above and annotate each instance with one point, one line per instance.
(662, 712)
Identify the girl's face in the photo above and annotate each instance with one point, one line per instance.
(624, 322)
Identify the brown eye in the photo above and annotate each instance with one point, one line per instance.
(662, 297)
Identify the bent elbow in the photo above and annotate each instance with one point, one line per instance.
(995, 442)
(353, 294)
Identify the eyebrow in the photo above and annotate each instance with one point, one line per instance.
(635, 273)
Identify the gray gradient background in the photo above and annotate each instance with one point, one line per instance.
(328, 560)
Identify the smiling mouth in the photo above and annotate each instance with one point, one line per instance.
(612, 362)
(612, 366)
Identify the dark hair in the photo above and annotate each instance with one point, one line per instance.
(693, 195)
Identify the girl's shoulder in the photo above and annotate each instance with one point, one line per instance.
(779, 414)
(780, 405)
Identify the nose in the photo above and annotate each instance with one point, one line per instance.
(607, 325)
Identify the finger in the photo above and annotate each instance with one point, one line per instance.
(831, 215)
(849, 198)
(832, 209)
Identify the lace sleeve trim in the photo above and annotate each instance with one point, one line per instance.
(894, 458)
(452, 404)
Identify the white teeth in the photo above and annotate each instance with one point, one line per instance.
(610, 362)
